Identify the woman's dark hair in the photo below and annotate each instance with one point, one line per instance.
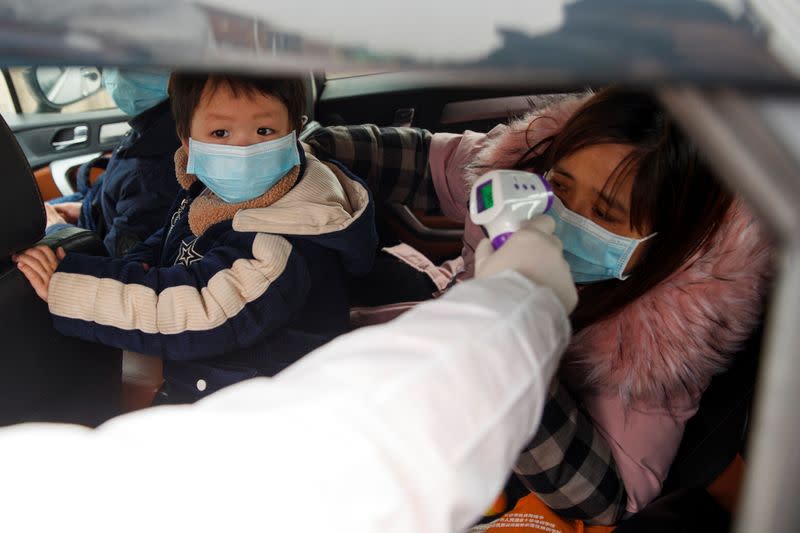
(185, 91)
(673, 193)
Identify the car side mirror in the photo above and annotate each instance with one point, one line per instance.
(61, 86)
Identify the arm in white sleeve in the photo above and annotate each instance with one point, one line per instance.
(411, 426)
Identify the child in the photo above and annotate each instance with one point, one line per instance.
(249, 273)
(130, 199)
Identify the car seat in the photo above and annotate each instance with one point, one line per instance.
(44, 376)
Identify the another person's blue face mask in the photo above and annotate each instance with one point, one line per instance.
(240, 173)
(135, 91)
(592, 252)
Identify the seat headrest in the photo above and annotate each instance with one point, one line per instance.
(22, 218)
(311, 94)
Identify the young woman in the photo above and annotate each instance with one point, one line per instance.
(672, 270)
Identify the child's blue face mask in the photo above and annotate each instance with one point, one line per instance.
(240, 173)
(135, 91)
(592, 252)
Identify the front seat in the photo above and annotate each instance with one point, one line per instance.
(311, 125)
(44, 376)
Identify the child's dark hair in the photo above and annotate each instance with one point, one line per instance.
(185, 91)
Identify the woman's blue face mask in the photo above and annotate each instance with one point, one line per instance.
(135, 91)
(592, 252)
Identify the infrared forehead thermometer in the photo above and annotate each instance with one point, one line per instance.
(501, 200)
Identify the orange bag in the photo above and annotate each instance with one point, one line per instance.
(531, 515)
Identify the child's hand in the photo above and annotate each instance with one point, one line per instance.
(38, 265)
(53, 216)
(71, 211)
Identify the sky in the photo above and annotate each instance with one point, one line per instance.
(427, 29)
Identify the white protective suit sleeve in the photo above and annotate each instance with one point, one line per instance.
(411, 426)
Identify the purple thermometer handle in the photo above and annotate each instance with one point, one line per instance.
(501, 239)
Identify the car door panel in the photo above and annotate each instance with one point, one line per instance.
(438, 107)
(56, 144)
(47, 186)
(64, 171)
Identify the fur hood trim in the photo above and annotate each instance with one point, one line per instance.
(677, 336)
(506, 144)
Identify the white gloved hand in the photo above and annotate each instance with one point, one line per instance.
(534, 252)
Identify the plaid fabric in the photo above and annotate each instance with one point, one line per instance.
(569, 465)
(393, 161)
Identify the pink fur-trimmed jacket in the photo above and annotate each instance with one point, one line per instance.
(640, 373)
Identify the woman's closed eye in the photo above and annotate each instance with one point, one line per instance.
(603, 214)
(558, 186)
